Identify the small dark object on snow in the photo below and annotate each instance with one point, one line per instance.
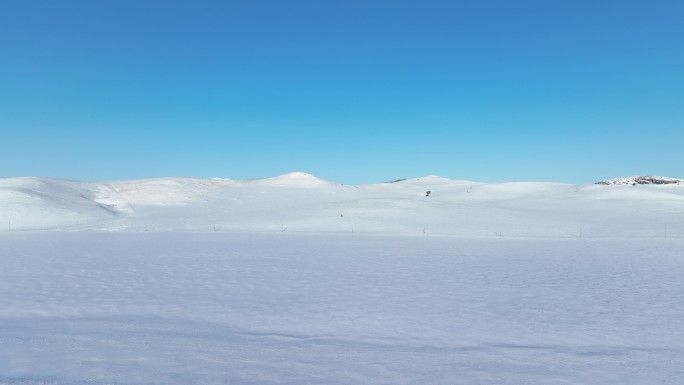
(427, 194)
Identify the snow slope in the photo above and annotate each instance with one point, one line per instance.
(299, 202)
(41, 203)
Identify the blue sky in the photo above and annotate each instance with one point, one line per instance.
(351, 91)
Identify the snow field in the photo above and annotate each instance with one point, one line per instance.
(298, 202)
(212, 308)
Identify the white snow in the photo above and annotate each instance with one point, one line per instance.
(298, 280)
(286, 308)
(295, 179)
(300, 202)
(641, 179)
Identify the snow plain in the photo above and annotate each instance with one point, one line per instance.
(185, 281)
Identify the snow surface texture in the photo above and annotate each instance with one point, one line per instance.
(298, 280)
(288, 308)
(299, 202)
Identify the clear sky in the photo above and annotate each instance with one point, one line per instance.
(351, 91)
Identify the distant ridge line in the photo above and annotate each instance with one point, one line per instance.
(641, 180)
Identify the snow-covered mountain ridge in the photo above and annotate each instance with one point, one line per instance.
(643, 179)
(300, 202)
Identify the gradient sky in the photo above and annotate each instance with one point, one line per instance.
(351, 91)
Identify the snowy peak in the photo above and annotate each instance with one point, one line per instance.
(644, 179)
(296, 178)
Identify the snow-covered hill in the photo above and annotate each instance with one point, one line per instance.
(643, 179)
(299, 202)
